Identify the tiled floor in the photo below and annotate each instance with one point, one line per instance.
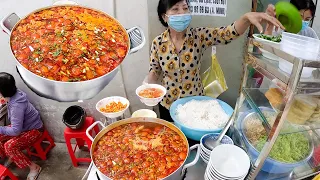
(58, 166)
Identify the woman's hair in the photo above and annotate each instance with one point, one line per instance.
(7, 85)
(305, 4)
(164, 6)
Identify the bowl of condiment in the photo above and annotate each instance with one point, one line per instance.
(113, 107)
(144, 113)
(290, 150)
(151, 94)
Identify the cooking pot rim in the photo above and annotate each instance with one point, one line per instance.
(70, 5)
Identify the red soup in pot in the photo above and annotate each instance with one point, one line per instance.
(67, 43)
(140, 151)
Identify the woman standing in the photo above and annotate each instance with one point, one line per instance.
(25, 129)
(177, 52)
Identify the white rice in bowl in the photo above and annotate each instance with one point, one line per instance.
(207, 114)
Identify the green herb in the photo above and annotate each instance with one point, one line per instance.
(271, 38)
(79, 34)
(65, 61)
(83, 55)
(38, 51)
(57, 52)
(64, 39)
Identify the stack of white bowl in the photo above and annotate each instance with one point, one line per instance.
(205, 152)
(227, 162)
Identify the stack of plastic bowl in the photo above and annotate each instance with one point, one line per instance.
(227, 162)
(205, 152)
(299, 46)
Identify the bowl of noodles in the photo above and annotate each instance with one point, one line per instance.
(290, 150)
(151, 94)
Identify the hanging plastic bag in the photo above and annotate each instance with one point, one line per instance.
(213, 78)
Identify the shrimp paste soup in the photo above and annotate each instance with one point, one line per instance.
(142, 150)
(69, 43)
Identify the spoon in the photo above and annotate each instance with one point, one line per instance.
(212, 143)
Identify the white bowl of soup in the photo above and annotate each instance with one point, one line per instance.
(151, 94)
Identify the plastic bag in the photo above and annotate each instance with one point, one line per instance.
(213, 79)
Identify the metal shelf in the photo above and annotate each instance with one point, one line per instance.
(270, 68)
(257, 101)
(306, 170)
(254, 98)
(283, 55)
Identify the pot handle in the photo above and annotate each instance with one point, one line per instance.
(91, 127)
(195, 159)
(8, 22)
(137, 39)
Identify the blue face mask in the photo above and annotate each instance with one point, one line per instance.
(305, 24)
(179, 22)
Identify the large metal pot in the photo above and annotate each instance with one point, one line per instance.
(177, 175)
(70, 91)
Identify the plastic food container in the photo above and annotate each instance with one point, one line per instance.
(300, 46)
(287, 68)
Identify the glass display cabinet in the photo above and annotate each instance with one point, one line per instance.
(278, 119)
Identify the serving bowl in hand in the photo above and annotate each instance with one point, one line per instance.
(196, 133)
(151, 101)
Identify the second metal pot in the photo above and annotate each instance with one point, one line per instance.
(176, 175)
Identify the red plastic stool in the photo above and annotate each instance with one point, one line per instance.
(39, 151)
(81, 139)
(5, 172)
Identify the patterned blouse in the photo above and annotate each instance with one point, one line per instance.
(181, 72)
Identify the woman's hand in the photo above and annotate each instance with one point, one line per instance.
(257, 19)
(151, 78)
(271, 11)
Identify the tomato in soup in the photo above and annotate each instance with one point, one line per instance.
(140, 151)
(151, 93)
(69, 43)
